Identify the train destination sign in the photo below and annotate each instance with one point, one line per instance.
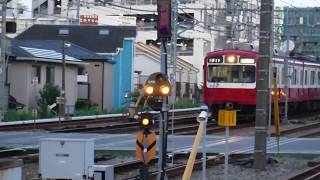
(215, 60)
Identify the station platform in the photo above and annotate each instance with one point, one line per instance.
(176, 144)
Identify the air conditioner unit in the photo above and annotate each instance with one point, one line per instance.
(66, 158)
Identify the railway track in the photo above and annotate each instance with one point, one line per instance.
(178, 169)
(81, 124)
(309, 174)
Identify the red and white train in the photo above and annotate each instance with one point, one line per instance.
(230, 78)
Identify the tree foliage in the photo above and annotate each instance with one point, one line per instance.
(48, 96)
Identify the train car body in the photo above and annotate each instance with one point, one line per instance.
(230, 81)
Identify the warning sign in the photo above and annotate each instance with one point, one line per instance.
(146, 146)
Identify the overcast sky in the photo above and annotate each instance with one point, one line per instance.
(298, 3)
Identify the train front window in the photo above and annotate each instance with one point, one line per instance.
(231, 74)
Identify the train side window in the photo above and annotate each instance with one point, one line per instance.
(318, 78)
(294, 77)
(301, 77)
(282, 76)
(275, 73)
(305, 77)
(312, 78)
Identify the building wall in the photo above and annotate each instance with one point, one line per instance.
(123, 70)
(26, 92)
(95, 73)
(18, 86)
(107, 85)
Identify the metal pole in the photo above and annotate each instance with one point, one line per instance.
(226, 155)
(63, 77)
(3, 88)
(164, 117)
(78, 12)
(232, 20)
(173, 57)
(262, 85)
(173, 62)
(286, 79)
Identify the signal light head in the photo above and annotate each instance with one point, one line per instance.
(157, 85)
(148, 90)
(165, 90)
(145, 121)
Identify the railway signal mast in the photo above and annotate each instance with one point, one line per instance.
(158, 87)
(164, 34)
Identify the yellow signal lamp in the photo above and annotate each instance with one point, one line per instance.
(165, 90)
(149, 90)
(145, 121)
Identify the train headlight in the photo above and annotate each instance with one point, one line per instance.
(231, 59)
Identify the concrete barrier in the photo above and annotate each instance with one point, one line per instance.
(11, 169)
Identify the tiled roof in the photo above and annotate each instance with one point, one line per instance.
(100, 39)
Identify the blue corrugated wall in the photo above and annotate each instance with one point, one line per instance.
(123, 74)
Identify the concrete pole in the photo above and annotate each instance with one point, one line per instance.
(3, 89)
(263, 93)
(286, 79)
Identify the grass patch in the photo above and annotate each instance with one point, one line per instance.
(184, 103)
(17, 116)
(97, 111)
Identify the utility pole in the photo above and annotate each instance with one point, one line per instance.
(3, 69)
(263, 93)
(78, 12)
(173, 55)
(286, 79)
(232, 21)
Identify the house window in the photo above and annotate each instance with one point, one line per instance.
(50, 75)
(36, 74)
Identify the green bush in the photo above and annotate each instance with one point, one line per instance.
(17, 116)
(184, 103)
(83, 104)
(88, 111)
(48, 96)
